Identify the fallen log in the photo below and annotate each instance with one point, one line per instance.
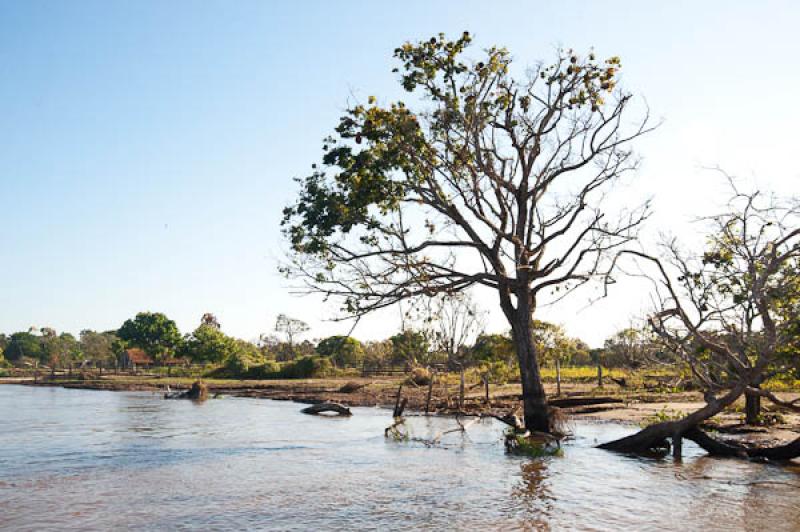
(716, 447)
(569, 402)
(321, 408)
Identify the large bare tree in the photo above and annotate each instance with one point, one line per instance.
(727, 313)
(492, 180)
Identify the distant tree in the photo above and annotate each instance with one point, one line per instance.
(98, 346)
(23, 345)
(344, 351)
(378, 353)
(153, 332)
(454, 322)
(290, 327)
(210, 320)
(410, 347)
(4, 341)
(242, 356)
(207, 344)
(494, 348)
(59, 350)
(631, 348)
(555, 346)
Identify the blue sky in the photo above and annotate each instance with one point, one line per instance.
(147, 148)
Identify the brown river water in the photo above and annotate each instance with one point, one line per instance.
(96, 460)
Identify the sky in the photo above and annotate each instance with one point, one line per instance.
(147, 148)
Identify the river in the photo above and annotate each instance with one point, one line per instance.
(97, 460)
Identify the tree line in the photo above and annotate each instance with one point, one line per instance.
(432, 342)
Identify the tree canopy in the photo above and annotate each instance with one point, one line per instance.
(489, 180)
(153, 332)
(344, 351)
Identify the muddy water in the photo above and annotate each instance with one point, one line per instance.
(92, 460)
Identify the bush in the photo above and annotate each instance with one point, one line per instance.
(419, 376)
(499, 372)
(307, 367)
(268, 370)
(344, 351)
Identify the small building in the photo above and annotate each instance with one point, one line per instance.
(134, 358)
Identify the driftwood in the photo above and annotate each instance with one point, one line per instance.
(399, 403)
(351, 387)
(321, 408)
(569, 402)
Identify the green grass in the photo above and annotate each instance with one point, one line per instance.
(522, 445)
(665, 414)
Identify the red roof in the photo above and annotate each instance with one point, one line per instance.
(137, 356)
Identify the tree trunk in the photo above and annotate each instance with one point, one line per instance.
(534, 400)
(787, 451)
(655, 436)
(752, 406)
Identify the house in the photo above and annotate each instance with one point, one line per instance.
(134, 358)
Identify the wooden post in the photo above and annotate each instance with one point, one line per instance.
(430, 392)
(486, 385)
(558, 376)
(599, 376)
(461, 390)
(70, 370)
(677, 446)
(397, 411)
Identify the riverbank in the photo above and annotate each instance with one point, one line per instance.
(610, 403)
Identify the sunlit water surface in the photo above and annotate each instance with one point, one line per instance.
(94, 460)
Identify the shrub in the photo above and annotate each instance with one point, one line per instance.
(499, 372)
(344, 351)
(307, 367)
(268, 370)
(419, 376)
(532, 447)
(661, 416)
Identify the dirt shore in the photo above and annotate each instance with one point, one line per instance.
(609, 403)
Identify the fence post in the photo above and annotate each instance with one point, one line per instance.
(599, 376)
(461, 390)
(558, 376)
(430, 391)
